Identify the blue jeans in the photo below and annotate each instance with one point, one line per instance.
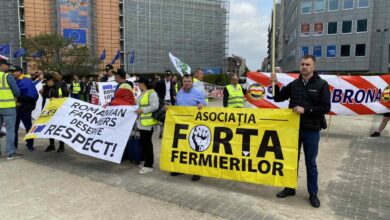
(310, 140)
(25, 117)
(8, 116)
(76, 96)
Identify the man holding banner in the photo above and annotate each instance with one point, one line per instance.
(310, 97)
(190, 96)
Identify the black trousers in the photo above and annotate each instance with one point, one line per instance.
(147, 147)
(25, 117)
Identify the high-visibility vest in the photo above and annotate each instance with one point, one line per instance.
(60, 92)
(7, 98)
(146, 119)
(176, 87)
(236, 96)
(205, 95)
(76, 87)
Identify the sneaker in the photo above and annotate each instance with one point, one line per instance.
(141, 164)
(375, 134)
(144, 170)
(286, 192)
(50, 148)
(14, 156)
(314, 201)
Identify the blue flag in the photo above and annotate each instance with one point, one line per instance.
(5, 49)
(103, 55)
(19, 53)
(78, 36)
(117, 56)
(132, 57)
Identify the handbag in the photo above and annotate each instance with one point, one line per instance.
(159, 114)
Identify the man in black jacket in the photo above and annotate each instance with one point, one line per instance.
(310, 97)
(163, 88)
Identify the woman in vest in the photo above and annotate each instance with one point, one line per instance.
(54, 88)
(148, 103)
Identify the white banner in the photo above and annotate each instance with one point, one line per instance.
(180, 66)
(89, 129)
(107, 90)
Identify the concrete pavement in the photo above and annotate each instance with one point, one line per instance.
(354, 184)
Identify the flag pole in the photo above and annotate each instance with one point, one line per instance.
(273, 46)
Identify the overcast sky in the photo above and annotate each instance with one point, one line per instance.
(249, 21)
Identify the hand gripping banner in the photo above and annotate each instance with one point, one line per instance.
(350, 95)
(248, 145)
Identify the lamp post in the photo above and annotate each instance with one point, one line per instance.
(383, 33)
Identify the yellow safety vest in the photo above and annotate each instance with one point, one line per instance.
(236, 96)
(7, 98)
(146, 119)
(76, 87)
(177, 87)
(197, 80)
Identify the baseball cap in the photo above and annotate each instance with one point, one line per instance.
(15, 68)
(120, 72)
(4, 61)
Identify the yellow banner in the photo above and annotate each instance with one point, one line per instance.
(249, 145)
(46, 115)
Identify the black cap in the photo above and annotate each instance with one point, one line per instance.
(120, 72)
(15, 68)
(144, 80)
(4, 61)
(109, 67)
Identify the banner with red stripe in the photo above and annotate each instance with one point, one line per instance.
(350, 95)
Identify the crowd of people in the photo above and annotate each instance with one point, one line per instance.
(308, 96)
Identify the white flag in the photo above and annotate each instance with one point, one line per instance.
(181, 67)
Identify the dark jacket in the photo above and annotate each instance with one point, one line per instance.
(160, 89)
(52, 92)
(314, 97)
(173, 92)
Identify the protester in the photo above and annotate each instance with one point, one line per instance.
(84, 91)
(233, 94)
(76, 88)
(9, 91)
(109, 76)
(54, 88)
(156, 79)
(176, 85)
(148, 103)
(188, 95)
(38, 77)
(25, 104)
(382, 125)
(163, 88)
(124, 94)
(310, 97)
(198, 82)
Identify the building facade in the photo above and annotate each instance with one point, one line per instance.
(194, 31)
(344, 35)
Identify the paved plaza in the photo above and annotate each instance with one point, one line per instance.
(354, 184)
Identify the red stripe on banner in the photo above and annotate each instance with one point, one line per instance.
(259, 78)
(261, 103)
(294, 75)
(385, 78)
(358, 82)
